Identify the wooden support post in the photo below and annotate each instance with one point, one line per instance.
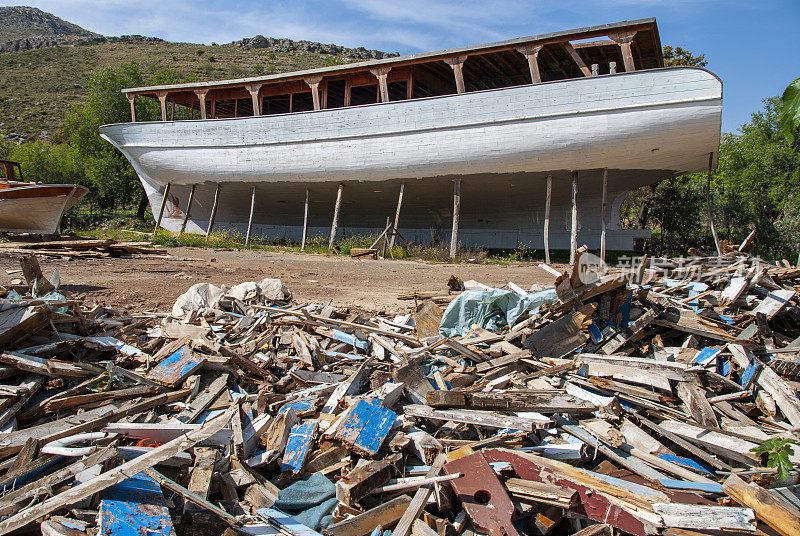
(456, 211)
(383, 87)
(531, 54)
(213, 212)
(708, 205)
(162, 98)
(188, 210)
(397, 215)
(131, 100)
(254, 89)
(161, 210)
(603, 217)
(250, 219)
(457, 63)
(335, 223)
(547, 219)
(575, 56)
(201, 94)
(313, 82)
(624, 40)
(573, 235)
(305, 223)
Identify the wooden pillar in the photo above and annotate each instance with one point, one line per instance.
(305, 224)
(188, 210)
(573, 235)
(172, 111)
(161, 210)
(456, 212)
(213, 211)
(313, 82)
(547, 219)
(603, 217)
(457, 63)
(397, 214)
(624, 40)
(162, 98)
(383, 87)
(335, 223)
(254, 89)
(201, 94)
(531, 54)
(575, 56)
(131, 99)
(708, 205)
(250, 219)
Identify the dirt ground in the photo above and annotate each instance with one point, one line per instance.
(372, 285)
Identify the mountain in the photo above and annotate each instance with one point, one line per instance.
(45, 63)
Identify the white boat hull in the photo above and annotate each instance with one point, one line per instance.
(642, 126)
(37, 208)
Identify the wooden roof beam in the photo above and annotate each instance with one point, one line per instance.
(624, 39)
(575, 56)
(531, 54)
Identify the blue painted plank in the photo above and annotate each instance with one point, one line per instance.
(299, 406)
(624, 311)
(134, 507)
(366, 426)
(710, 487)
(594, 331)
(177, 367)
(686, 462)
(706, 356)
(349, 338)
(285, 522)
(298, 448)
(749, 374)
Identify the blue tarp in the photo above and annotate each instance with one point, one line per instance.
(490, 309)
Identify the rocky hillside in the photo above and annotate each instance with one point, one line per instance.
(44, 71)
(24, 28)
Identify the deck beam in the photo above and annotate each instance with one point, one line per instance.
(313, 82)
(624, 40)
(575, 56)
(254, 89)
(131, 100)
(381, 74)
(457, 63)
(531, 54)
(188, 210)
(250, 219)
(162, 98)
(335, 223)
(456, 211)
(201, 95)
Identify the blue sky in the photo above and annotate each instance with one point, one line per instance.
(751, 45)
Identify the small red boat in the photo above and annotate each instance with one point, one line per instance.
(27, 207)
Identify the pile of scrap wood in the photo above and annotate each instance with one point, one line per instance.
(83, 248)
(625, 404)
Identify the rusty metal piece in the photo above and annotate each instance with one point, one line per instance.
(482, 495)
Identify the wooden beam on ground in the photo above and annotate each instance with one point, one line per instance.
(383, 515)
(603, 217)
(250, 219)
(213, 212)
(457, 63)
(189, 496)
(116, 475)
(547, 219)
(161, 210)
(772, 510)
(335, 224)
(531, 54)
(456, 211)
(305, 223)
(624, 39)
(397, 214)
(188, 210)
(573, 232)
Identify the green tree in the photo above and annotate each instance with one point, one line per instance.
(677, 57)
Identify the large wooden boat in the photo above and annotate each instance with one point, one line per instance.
(35, 208)
(502, 120)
